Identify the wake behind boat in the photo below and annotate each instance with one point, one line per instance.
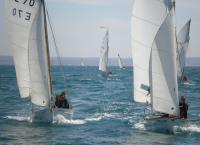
(27, 28)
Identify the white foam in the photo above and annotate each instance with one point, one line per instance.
(60, 119)
(139, 125)
(18, 118)
(189, 128)
(99, 116)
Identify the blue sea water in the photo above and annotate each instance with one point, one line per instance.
(104, 112)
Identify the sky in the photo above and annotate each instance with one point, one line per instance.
(76, 25)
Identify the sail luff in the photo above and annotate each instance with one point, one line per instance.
(47, 49)
(164, 88)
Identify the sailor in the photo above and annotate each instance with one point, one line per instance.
(148, 91)
(58, 102)
(64, 102)
(184, 78)
(183, 108)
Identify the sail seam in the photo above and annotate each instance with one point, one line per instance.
(139, 42)
(145, 20)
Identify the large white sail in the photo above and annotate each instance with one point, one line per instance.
(183, 43)
(20, 16)
(163, 73)
(103, 62)
(147, 17)
(120, 62)
(38, 62)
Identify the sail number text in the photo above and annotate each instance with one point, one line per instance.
(19, 13)
(30, 2)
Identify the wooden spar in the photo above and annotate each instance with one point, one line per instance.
(47, 48)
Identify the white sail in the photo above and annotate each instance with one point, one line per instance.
(38, 62)
(147, 17)
(20, 16)
(120, 62)
(183, 43)
(163, 74)
(82, 62)
(103, 62)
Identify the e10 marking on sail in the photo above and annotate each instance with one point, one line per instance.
(21, 13)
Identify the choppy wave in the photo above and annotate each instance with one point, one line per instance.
(18, 118)
(60, 119)
(188, 129)
(140, 126)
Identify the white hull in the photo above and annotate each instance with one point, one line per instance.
(41, 115)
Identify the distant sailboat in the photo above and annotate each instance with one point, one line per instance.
(28, 33)
(120, 63)
(103, 62)
(154, 56)
(183, 43)
(82, 63)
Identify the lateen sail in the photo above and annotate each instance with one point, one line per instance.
(147, 17)
(183, 43)
(38, 62)
(120, 62)
(163, 78)
(20, 16)
(103, 62)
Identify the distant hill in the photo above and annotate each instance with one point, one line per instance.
(8, 60)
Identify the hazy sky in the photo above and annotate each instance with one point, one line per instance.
(76, 25)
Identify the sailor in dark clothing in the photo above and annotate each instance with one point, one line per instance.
(58, 102)
(183, 108)
(61, 101)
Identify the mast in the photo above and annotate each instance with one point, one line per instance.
(47, 48)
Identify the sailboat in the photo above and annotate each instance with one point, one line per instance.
(154, 57)
(120, 63)
(28, 33)
(103, 62)
(183, 39)
(82, 63)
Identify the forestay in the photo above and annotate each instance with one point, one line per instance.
(103, 62)
(183, 43)
(163, 78)
(20, 15)
(147, 17)
(38, 61)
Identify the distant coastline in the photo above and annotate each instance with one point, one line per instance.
(75, 61)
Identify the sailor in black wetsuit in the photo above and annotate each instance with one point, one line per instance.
(183, 108)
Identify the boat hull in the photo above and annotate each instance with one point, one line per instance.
(41, 114)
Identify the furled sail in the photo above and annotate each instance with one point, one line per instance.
(163, 73)
(147, 17)
(183, 43)
(39, 61)
(103, 62)
(20, 16)
(120, 62)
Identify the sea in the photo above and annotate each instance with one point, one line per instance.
(104, 111)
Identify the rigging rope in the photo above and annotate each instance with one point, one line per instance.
(58, 55)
